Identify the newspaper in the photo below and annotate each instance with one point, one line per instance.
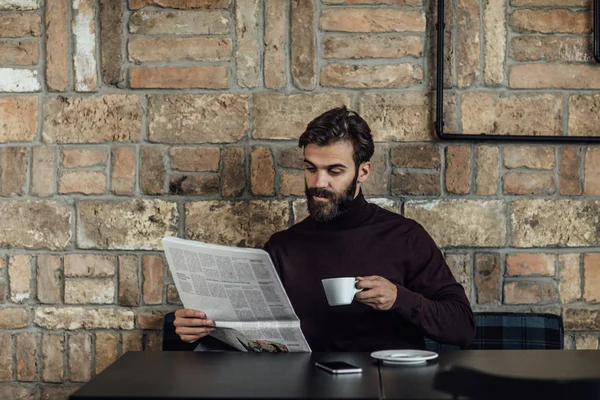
(240, 290)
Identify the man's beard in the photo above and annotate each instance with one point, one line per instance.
(336, 205)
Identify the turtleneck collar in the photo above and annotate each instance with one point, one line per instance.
(356, 215)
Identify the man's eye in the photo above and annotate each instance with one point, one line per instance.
(335, 172)
(310, 169)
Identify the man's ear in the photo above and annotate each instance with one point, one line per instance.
(364, 170)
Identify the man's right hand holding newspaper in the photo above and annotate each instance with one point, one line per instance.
(192, 325)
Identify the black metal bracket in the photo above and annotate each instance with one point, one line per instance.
(439, 109)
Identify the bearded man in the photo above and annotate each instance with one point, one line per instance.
(408, 289)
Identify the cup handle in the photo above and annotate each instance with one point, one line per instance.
(355, 289)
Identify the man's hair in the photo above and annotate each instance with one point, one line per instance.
(337, 125)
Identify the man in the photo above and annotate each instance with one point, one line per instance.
(408, 289)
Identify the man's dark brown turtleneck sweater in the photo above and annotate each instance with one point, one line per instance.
(368, 240)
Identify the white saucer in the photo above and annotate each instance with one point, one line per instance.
(404, 357)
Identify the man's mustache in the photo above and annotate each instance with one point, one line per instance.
(320, 192)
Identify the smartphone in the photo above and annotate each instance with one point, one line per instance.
(338, 367)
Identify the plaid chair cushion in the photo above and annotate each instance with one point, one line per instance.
(512, 331)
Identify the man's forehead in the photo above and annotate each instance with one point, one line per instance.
(337, 153)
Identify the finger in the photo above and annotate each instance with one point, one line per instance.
(368, 278)
(193, 322)
(367, 284)
(189, 313)
(191, 338)
(368, 295)
(193, 331)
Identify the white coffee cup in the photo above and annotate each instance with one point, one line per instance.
(340, 291)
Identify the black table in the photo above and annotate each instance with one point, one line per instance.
(233, 375)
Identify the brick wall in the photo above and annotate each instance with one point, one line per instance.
(121, 122)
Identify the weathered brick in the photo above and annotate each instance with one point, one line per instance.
(372, 20)
(154, 341)
(73, 318)
(551, 21)
(415, 183)
(80, 356)
(586, 342)
(461, 266)
(195, 158)
(292, 157)
(57, 392)
(529, 183)
(198, 119)
(458, 169)
(52, 357)
(12, 5)
(295, 111)
(43, 168)
(18, 118)
(14, 171)
(195, 185)
(11, 318)
(486, 170)
(591, 184)
(177, 49)
(568, 76)
(97, 119)
(385, 203)
(570, 179)
(80, 158)
(49, 278)
(185, 4)
(132, 342)
(376, 184)
(173, 295)
(129, 287)
(24, 52)
(548, 48)
(234, 172)
(502, 115)
(86, 182)
(19, 276)
(292, 183)
(591, 277)
(415, 156)
(397, 116)
(534, 157)
(247, 52)
(89, 265)
(189, 22)
(151, 319)
(303, 47)
(384, 2)
(57, 39)
(530, 292)
(27, 356)
(379, 76)
(367, 46)
(262, 173)
(125, 225)
(541, 223)
(524, 264)
(85, 71)
(487, 278)
(6, 357)
(111, 36)
(538, 3)
(19, 80)
(153, 280)
(581, 319)
(495, 42)
(569, 277)
(50, 220)
(19, 25)
(467, 41)
(583, 115)
(3, 281)
(123, 171)
(107, 349)
(89, 291)
(152, 169)
(454, 223)
(300, 210)
(274, 40)
(200, 77)
(249, 223)
(16, 392)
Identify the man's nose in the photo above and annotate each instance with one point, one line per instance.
(322, 180)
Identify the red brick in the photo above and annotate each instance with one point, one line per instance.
(570, 179)
(529, 183)
(129, 287)
(180, 49)
(234, 172)
(153, 280)
(569, 275)
(416, 156)
(80, 356)
(154, 341)
(415, 183)
(367, 46)
(534, 157)
(524, 264)
(567, 76)
(52, 357)
(551, 21)
(49, 278)
(458, 169)
(14, 171)
(43, 168)
(467, 41)
(372, 20)
(303, 53)
(6, 356)
(24, 52)
(27, 356)
(262, 173)
(384, 2)
(57, 37)
(152, 170)
(14, 317)
(89, 265)
(530, 292)
(79, 158)
(111, 36)
(275, 38)
(180, 22)
(173, 295)
(195, 185)
(183, 4)
(591, 276)
(86, 182)
(107, 349)
(15, 25)
(19, 116)
(487, 278)
(378, 76)
(195, 158)
(292, 183)
(541, 3)
(591, 185)
(152, 320)
(123, 171)
(201, 77)
(132, 342)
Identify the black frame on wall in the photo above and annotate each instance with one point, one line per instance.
(439, 109)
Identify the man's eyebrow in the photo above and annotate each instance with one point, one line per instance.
(338, 165)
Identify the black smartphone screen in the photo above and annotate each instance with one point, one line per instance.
(338, 367)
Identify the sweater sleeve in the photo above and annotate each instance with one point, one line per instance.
(431, 299)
